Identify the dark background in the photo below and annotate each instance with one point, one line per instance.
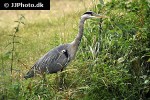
(46, 4)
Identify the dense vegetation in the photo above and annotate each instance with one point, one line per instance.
(112, 62)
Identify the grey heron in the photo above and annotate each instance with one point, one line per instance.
(58, 58)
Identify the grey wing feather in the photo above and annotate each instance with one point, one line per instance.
(52, 62)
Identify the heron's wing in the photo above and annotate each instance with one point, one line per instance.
(54, 61)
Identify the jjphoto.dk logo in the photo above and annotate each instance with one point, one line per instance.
(6, 5)
(24, 4)
(12, 5)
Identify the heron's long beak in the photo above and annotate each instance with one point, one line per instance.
(100, 16)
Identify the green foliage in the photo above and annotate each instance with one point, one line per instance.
(113, 60)
(120, 66)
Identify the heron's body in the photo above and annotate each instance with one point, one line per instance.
(54, 60)
(59, 57)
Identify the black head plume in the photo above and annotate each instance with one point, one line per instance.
(89, 12)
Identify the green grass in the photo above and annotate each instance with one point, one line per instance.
(112, 61)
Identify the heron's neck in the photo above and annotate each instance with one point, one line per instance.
(80, 33)
(74, 45)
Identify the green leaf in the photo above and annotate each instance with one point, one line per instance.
(22, 22)
(146, 81)
(99, 6)
(148, 60)
(7, 55)
(120, 60)
(101, 2)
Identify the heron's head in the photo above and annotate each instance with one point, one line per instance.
(90, 14)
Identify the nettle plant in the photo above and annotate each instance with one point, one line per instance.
(12, 54)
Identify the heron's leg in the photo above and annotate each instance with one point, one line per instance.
(57, 80)
(62, 80)
(61, 69)
(44, 77)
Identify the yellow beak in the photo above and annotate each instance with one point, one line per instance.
(100, 16)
